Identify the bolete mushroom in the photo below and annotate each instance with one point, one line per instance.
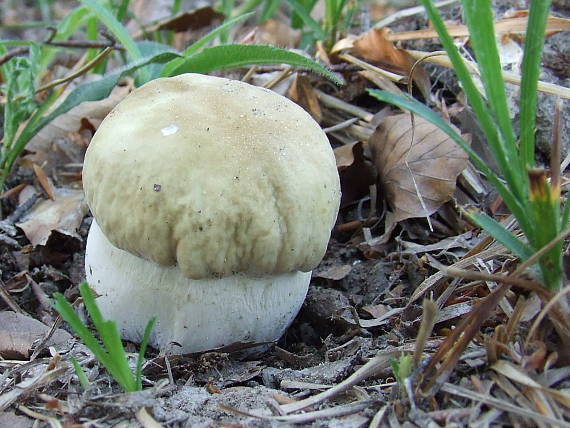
(212, 200)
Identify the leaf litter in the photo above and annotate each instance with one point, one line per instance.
(332, 368)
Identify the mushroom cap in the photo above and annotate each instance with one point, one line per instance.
(215, 176)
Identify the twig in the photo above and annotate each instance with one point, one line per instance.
(503, 279)
(331, 412)
(545, 310)
(14, 52)
(503, 405)
(509, 77)
(369, 369)
(23, 208)
(4, 295)
(366, 66)
(334, 102)
(78, 72)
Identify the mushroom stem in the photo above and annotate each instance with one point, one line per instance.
(198, 315)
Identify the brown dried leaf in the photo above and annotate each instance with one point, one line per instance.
(64, 215)
(303, 94)
(515, 25)
(335, 272)
(417, 166)
(356, 172)
(277, 33)
(375, 48)
(185, 21)
(55, 145)
(18, 332)
(44, 181)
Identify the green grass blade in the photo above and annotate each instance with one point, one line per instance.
(80, 373)
(117, 29)
(533, 45)
(565, 214)
(307, 19)
(68, 26)
(479, 18)
(545, 206)
(142, 351)
(408, 103)
(486, 121)
(175, 63)
(68, 314)
(504, 236)
(123, 10)
(269, 9)
(231, 56)
(116, 361)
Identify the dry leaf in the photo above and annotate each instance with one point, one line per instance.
(63, 215)
(185, 21)
(375, 48)
(303, 94)
(18, 332)
(377, 310)
(357, 174)
(515, 25)
(52, 146)
(277, 33)
(417, 166)
(334, 273)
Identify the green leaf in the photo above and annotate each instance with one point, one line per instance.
(504, 236)
(20, 74)
(142, 351)
(169, 68)
(533, 44)
(117, 29)
(80, 373)
(565, 214)
(231, 56)
(149, 49)
(304, 14)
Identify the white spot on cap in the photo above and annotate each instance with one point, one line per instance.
(169, 130)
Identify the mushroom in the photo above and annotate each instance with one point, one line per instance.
(212, 201)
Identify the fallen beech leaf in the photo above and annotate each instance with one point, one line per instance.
(357, 174)
(64, 215)
(376, 310)
(374, 47)
(18, 332)
(303, 94)
(193, 20)
(429, 165)
(52, 146)
(44, 181)
(334, 273)
(276, 33)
